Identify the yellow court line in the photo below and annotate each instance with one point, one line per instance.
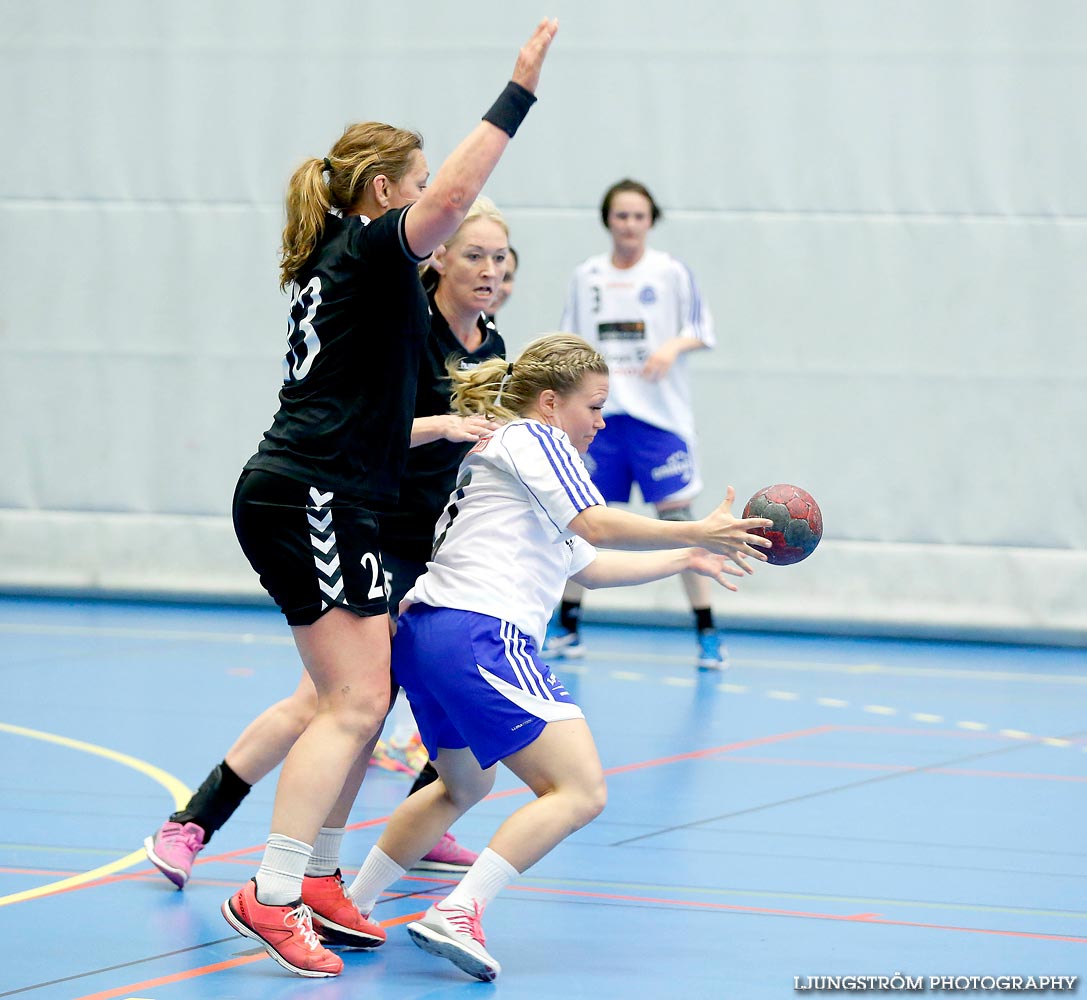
(176, 788)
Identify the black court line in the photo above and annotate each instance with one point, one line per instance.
(878, 779)
(123, 965)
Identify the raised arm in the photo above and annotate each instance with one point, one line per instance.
(445, 202)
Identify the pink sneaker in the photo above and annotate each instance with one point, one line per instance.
(173, 849)
(447, 856)
(285, 932)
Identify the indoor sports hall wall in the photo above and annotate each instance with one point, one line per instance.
(884, 204)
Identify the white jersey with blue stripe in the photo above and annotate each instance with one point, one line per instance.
(627, 314)
(502, 546)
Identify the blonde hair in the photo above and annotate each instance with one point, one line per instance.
(482, 208)
(364, 151)
(507, 390)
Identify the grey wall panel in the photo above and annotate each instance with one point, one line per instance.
(883, 203)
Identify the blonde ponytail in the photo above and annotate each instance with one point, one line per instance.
(507, 390)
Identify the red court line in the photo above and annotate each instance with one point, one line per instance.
(855, 918)
(520, 790)
(865, 918)
(177, 977)
(692, 755)
(205, 970)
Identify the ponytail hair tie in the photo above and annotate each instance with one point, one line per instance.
(502, 385)
(328, 164)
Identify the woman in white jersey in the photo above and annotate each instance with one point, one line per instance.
(642, 310)
(524, 518)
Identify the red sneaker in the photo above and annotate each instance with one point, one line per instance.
(286, 932)
(336, 917)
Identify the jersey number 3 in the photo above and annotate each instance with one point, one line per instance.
(302, 342)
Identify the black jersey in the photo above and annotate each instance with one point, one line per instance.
(358, 321)
(431, 470)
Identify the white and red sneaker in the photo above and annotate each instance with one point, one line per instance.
(456, 934)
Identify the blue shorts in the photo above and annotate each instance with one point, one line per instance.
(475, 681)
(629, 451)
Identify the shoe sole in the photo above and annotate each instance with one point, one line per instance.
(246, 931)
(332, 933)
(712, 665)
(468, 961)
(565, 653)
(439, 866)
(175, 875)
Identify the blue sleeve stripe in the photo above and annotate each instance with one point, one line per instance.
(577, 490)
(695, 314)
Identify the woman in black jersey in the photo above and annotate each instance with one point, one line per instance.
(305, 509)
(460, 275)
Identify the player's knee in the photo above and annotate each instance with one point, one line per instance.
(590, 801)
(298, 710)
(466, 792)
(683, 513)
(357, 716)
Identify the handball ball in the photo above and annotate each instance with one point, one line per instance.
(798, 522)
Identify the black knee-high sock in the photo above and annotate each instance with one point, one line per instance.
(570, 615)
(214, 801)
(426, 776)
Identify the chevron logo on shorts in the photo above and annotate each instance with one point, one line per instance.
(322, 537)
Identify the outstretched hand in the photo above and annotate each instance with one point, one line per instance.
(715, 567)
(531, 57)
(731, 536)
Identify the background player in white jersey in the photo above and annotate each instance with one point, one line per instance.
(642, 310)
(525, 517)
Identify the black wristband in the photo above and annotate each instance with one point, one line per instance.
(510, 109)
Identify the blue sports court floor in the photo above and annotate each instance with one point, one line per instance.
(827, 807)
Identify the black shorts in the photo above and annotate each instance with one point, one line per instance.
(400, 577)
(312, 551)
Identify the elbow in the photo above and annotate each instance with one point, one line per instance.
(450, 205)
(589, 526)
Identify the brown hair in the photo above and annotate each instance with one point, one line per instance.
(506, 390)
(625, 185)
(364, 151)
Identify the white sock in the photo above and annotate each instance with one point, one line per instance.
(377, 873)
(279, 878)
(325, 859)
(490, 874)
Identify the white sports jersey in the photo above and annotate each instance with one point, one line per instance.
(502, 546)
(627, 314)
